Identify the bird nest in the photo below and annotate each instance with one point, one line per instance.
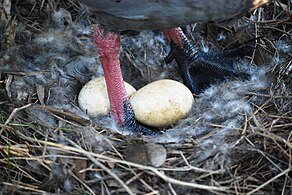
(237, 139)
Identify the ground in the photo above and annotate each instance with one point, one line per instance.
(237, 140)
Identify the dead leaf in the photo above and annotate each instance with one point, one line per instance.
(41, 93)
(80, 164)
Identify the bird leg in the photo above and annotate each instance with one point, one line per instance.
(108, 46)
(183, 52)
(187, 57)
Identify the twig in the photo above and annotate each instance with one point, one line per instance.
(90, 155)
(13, 113)
(270, 180)
(84, 184)
(97, 163)
(23, 187)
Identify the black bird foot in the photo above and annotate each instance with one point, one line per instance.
(132, 125)
(200, 69)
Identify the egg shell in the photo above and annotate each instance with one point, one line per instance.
(93, 98)
(162, 103)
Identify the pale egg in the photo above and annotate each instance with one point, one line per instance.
(93, 98)
(162, 103)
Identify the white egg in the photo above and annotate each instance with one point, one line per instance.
(93, 97)
(162, 103)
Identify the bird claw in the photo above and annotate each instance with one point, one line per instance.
(171, 55)
(131, 124)
(220, 63)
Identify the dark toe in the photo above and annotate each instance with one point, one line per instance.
(132, 125)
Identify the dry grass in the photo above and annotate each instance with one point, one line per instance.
(36, 158)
